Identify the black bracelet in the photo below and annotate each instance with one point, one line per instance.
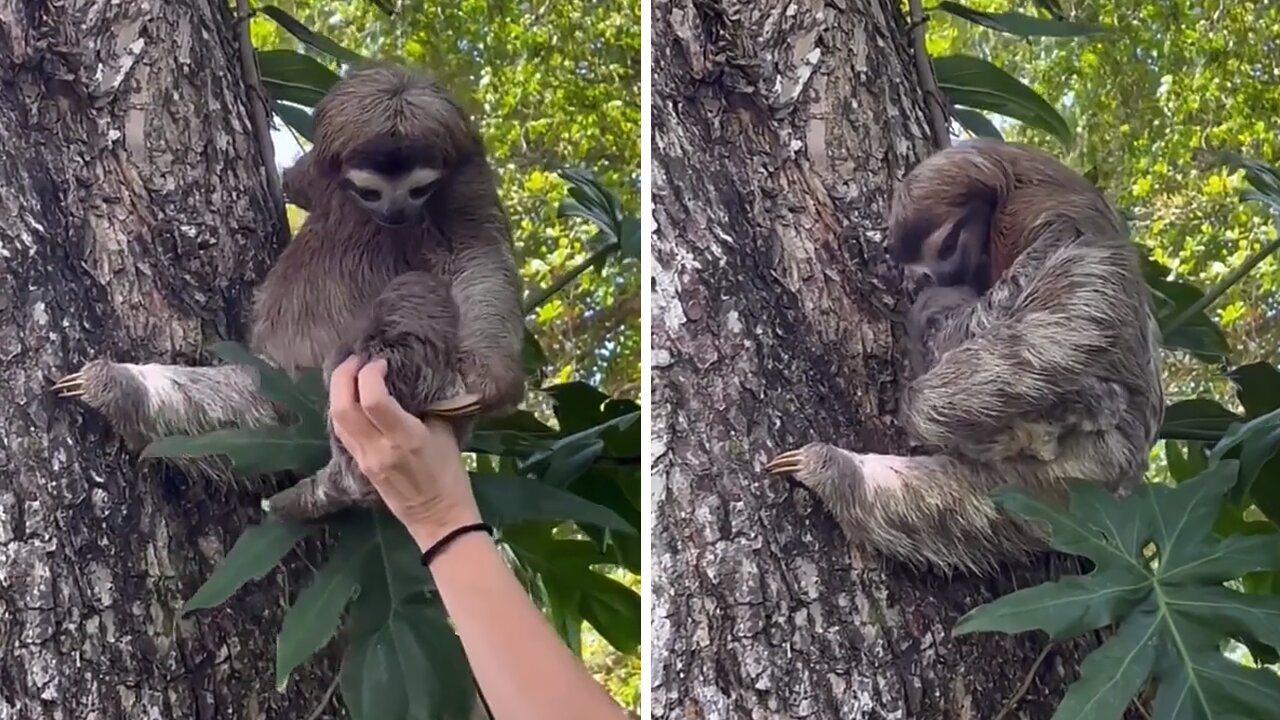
(443, 542)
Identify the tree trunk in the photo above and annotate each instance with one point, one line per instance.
(779, 132)
(137, 219)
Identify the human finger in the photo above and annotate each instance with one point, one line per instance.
(350, 423)
(382, 409)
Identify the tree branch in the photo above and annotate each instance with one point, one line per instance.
(259, 114)
(537, 299)
(1222, 287)
(935, 106)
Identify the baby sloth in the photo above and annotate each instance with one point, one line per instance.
(405, 255)
(1035, 356)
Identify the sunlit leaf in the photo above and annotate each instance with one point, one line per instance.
(972, 82)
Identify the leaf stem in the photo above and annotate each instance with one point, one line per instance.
(1026, 683)
(1222, 287)
(537, 299)
(934, 104)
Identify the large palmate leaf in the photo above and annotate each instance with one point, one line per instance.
(258, 549)
(404, 661)
(1197, 419)
(972, 82)
(1172, 614)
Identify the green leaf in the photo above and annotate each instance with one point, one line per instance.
(570, 460)
(316, 612)
(295, 117)
(1063, 609)
(1069, 533)
(1183, 516)
(975, 83)
(1196, 419)
(295, 93)
(511, 499)
(251, 451)
(629, 242)
(258, 549)
(1257, 387)
(1184, 465)
(1260, 439)
(1199, 335)
(1114, 673)
(310, 37)
(976, 123)
(1021, 25)
(612, 608)
(413, 668)
(294, 69)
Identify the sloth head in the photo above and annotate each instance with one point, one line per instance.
(962, 215)
(388, 140)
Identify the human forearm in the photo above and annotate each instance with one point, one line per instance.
(522, 667)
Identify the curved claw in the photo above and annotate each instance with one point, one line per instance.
(460, 406)
(787, 463)
(70, 386)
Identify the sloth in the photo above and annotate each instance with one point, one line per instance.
(405, 256)
(1036, 365)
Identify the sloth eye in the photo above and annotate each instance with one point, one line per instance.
(949, 244)
(368, 195)
(419, 192)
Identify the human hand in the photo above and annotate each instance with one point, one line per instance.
(415, 466)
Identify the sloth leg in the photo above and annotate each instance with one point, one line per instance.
(146, 402)
(932, 509)
(334, 487)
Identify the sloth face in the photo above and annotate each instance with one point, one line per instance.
(392, 200)
(392, 181)
(953, 252)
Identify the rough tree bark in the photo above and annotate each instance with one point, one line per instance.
(780, 129)
(137, 218)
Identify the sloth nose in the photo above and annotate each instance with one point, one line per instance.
(396, 217)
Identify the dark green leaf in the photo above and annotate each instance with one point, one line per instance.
(630, 240)
(570, 460)
(251, 451)
(1021, 25)
(1257, 387)
(1068, 533)
(577, 405)
(295, 117)
(303, 95)
(1196, 419)
(1063, 609)
(1114, 673)
(975, 83)
(295, 69)
(1183, 516)
(316, 612)
(310, 37)
(976, 123)
(1186, 458)
(411, 668)
(612, 608)
(258, 549)
(508, 500)
(532, 357)
(1260, 439)
(1217, 561)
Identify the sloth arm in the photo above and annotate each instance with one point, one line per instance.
(1029, 355)
(485, 286)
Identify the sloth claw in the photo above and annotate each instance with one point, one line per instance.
(70, 386)
(786, 463)
(460, 406)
